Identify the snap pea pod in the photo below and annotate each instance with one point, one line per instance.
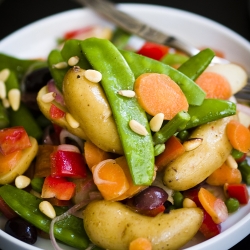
(120, 38)
(116, 76)
(4, 119)
(174, 59)
(197, 64)
(70, 230)
(23, 117)
(174, 125)
(72, 48)
(58, 74)
(141, 64)
(210, 110)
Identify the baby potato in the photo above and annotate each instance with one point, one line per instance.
(62, 122)
(23, 164)
(88, 104)
(194, 166)
(112, 225)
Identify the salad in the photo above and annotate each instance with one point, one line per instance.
(126, 154)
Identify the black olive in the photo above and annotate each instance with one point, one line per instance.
(21, 229)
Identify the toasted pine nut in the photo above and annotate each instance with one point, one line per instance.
(46, 208)
(22, 181)
(192, 143)
(156, 122)
(138, 128)
(71, 121)
(48, 97)
(188, 203)
(93, 75)
(73, 60)
(127, 93)
(231, 162)
(14, 96)
(2, 90)
(60, 65)
(4, 74)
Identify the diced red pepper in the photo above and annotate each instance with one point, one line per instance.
(13, 139)
(59, 203)
(153, 50)
(192, 194)
(55, 112)
(238, 191)
(209, 228)
(57, 187)
(68, 164)
(75, 33)
(8, 212)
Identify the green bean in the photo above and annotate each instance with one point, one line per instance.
(159, 148)
(116, 76)
(197, 64)
(141, 64)
(70, 230)
(176, 124)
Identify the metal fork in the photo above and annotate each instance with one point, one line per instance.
(128, 23)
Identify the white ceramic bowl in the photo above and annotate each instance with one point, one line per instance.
(37, 39)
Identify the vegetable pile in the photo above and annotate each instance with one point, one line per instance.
(141, 149)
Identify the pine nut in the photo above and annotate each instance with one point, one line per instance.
(46, 208)
(231, 162)
(127, 93)
(138, 128)
(6, 103)
(22, 181)
(2, 90)
(93, 75)
(71, 121)
(73, 60)
(4, 74)
(156, 122)
(48, 97)
(188, 203)
(14, 96)
(60, 65)
(192, 143)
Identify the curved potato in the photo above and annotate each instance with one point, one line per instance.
(88, 104)
(194, 166)
(45, 107)
(113, 226)
(28, 155)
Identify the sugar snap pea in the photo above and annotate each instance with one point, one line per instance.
(116, 76)
(174, 125)
(141, 64)
(197, 64)
(70, 230)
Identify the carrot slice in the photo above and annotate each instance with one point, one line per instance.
(110, 179)
(140, 244)
(215, 85)
(173, 149)
(214, 206)
(93, 155)
(224, 174)
(238, 135)
(158, 93)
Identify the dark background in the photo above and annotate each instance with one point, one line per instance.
(235, 14)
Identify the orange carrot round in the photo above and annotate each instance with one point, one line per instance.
(224, 174)
(214, 206)
(238, 135)
(140, 244)
(215, 85)
(158, 93)
(110, 179)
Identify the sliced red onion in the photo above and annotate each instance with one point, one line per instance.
(68, 147)
(66, 134)
(52, 88)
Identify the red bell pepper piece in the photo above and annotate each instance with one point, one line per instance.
(238, 191)
(59, 188)
(68, 164)
(153, 212)
(77, 32)
(208, 227)
(153, 50)
(13, 139)
(55, 112)
(192, 194)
